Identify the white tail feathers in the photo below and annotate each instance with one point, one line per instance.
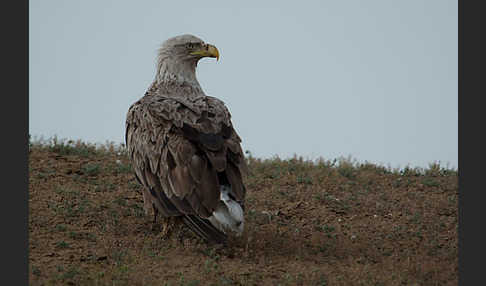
(228, 216)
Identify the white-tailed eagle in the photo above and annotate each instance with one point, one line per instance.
(183, 147)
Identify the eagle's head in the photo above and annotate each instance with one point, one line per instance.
(188, 47)
(178, 57)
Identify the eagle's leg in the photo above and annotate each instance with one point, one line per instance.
(168, 225)
(146, 202)
(156, 212)
(184, 232)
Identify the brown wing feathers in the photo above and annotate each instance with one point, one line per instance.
(180, 156)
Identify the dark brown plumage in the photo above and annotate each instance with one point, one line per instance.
(183, 146)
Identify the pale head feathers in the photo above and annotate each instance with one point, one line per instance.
(175, 63)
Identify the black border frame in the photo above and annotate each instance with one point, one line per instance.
(15, 167)
(471, 236)
(14, 211)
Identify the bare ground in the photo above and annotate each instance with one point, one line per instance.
(324, 223)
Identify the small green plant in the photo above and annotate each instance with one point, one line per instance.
(226, 281)
(106, 187)
(60, 227)
(301, 179)
(434, 169)
(430, 182)
(124, 168)
(211, 253)
(410, 172)
(121, 202)
(74, 235)
(416, 218)
(92, 169)
(137, 210)
(210, 265)
(135, 186)
(194, 283)
(42, 175)
(70, 147)
(35, 270)
(347, 172)
(182, 279)
(328, 230)
(119, 256)
(62, 244)
(83, 205)
(322, 281)
(70, 274)
(91, 237)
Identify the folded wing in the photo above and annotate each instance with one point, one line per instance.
(183, 151)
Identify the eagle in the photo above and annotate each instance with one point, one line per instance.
(183, 147)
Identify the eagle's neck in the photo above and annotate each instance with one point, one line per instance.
(177, 73)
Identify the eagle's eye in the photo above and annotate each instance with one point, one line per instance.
(191, 45)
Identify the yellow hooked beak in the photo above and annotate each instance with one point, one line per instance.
(207, 51)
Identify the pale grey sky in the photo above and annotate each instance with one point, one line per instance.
(376, 80)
